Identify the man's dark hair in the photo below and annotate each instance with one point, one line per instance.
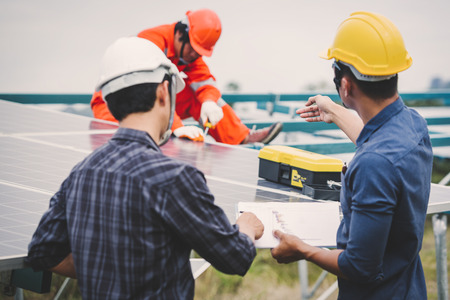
(182, 28)
(133, 99)
(376, 90)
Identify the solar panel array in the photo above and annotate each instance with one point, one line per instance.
(39, 148)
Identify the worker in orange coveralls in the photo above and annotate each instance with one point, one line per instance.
(184, 43)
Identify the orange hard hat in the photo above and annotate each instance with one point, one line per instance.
(204, 30)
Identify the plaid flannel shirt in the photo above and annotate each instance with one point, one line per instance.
(131, 216)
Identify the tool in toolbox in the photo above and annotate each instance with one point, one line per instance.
(311, 172)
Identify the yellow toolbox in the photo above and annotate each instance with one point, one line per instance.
(297, 168)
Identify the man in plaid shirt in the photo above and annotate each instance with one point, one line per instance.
(125, 220)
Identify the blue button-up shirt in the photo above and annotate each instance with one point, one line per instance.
(384, 200)
(130, 216)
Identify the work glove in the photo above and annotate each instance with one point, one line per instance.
(211, 112)
(191, 132)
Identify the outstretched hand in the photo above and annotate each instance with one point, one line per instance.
(289, 248)
(318, 109)
(322, 109)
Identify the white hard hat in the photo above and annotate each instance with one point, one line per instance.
(132, 60)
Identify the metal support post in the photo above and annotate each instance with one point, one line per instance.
(61, 289)
(303, 274)
(307, 293)
(440, 230)
(19, 294)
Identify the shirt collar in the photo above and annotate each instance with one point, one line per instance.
(376, 122)
(134, 135)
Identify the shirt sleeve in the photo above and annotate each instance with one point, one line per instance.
(155, 36)
(201, 81)
(50, 242)
(191, 212)
(373, 182)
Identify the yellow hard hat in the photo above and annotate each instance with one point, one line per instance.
(371, 43)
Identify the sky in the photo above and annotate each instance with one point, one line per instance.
(55, 46)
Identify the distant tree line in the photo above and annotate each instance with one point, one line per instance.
(439, 83)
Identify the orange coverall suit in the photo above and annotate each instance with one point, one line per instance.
(200, 87)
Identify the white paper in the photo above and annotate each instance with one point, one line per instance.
(315, 223)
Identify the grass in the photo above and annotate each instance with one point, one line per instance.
(267, 279)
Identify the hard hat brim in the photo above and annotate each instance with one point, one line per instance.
(199, 49)
(135, 78)
(325, 54)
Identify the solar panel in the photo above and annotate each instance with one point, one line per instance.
(39, 148)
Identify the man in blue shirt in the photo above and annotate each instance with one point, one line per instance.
(126, 219)
(386, 187)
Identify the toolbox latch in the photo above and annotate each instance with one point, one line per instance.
(285, 173)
